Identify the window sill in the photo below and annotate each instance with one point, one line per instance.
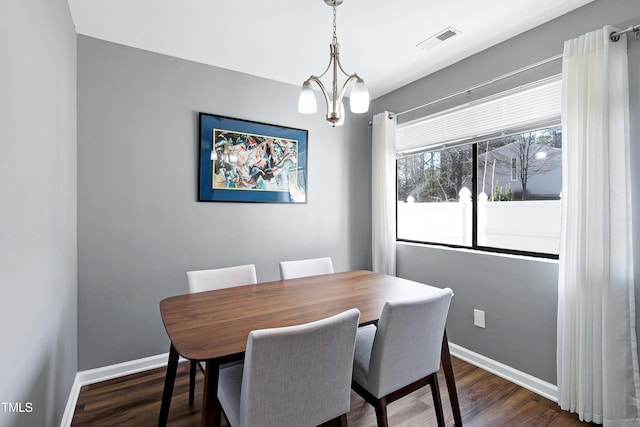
(540, 258)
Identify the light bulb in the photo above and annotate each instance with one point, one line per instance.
(359, 98)
(307, 100)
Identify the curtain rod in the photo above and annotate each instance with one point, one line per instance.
(479, 85)
(615, 36)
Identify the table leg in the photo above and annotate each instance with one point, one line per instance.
(169, 380)
(210, 395)
(445, 358)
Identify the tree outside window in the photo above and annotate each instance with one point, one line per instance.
(538, 157)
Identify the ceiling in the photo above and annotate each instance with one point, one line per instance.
(288, 40)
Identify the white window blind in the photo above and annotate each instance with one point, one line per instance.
(504, 113)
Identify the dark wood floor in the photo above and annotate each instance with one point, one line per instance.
(485, 400)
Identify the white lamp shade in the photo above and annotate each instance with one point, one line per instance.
(359, 98)
(307, 100)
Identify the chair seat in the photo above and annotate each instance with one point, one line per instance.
(229, 390)
(362, 355)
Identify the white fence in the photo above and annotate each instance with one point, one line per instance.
(532, 226)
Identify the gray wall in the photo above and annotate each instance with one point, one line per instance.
(38, 249)
(140, 227)
(519, 295)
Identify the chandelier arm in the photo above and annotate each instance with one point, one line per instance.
(337, 59)
(323, 89)
(328, 65)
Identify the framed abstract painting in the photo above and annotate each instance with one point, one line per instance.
(246, 161)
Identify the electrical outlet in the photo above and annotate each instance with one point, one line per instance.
(478, 318)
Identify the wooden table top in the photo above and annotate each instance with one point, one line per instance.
(215, 324)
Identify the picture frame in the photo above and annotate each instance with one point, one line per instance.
(247, 161)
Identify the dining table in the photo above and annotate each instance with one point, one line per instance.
(213, 326)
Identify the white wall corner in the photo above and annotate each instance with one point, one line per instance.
(105, 373)
(69, 410)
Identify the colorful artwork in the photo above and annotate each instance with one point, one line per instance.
(245, 161)
(258, 162)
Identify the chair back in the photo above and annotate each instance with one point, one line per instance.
(408, 342)
(299, 375)
(220, 278)
(305, 268)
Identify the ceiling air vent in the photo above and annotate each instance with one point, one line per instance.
(438, 38)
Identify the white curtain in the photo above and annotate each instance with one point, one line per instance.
(597, 356)
(383, 197)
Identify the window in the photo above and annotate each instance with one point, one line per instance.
(491, 187)
(428, 188)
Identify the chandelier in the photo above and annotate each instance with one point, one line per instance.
(359, 97)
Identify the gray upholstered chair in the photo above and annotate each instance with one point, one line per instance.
(305, 268)
(297, 376)
(218, 278)
(401, 354)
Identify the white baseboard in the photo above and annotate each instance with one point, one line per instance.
(93, 376)
(67, 417)
(105, 373)
(515, 376)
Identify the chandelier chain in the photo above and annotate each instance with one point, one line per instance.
(335, 37)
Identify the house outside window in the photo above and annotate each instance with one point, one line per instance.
(497, 191)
